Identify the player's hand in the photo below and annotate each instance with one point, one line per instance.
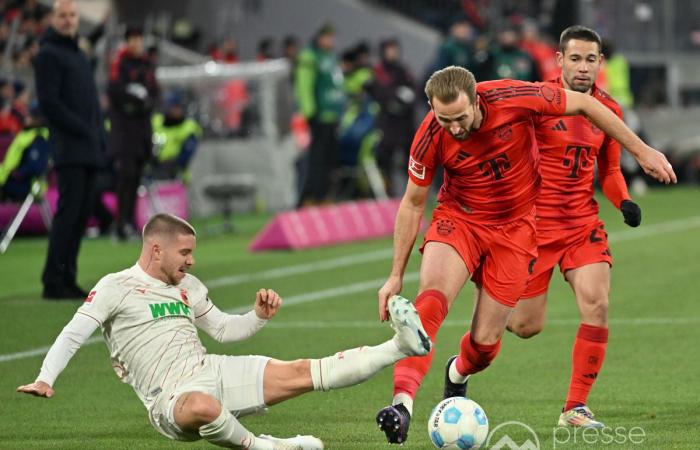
(655, 164)
(391, 287)
(38, 388)
(267, 303)
(631, 212)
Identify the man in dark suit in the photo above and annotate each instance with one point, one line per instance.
(68, 97)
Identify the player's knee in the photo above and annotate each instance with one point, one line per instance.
(524, 330)
(486, 336)
(290, 375)
(200, 409)
(594, 304)
(300, 370)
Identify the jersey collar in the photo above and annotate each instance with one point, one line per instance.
(141, 274)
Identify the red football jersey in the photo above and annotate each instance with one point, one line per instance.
(569, 147)
(493, 174)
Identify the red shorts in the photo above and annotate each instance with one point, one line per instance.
(498, 257)
(570, 248)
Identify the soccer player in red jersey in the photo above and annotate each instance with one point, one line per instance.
(484, 225)
(569, 232)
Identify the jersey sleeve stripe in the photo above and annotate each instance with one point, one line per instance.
(418, 147)
(85, 314)
(503, 97)
(490, 94)
(427, 136)
(498, 91)
(420, 153)
(205, 312)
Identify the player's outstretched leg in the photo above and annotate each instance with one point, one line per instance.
(454, 386)
(350, 367)
(295, 443)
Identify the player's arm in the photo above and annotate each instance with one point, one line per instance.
(234, 327)
(78, 330)
(653, 162)
(613, 183)
(406, 228)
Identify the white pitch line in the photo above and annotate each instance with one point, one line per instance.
(655, 229)
(363, 286)
(297, 269)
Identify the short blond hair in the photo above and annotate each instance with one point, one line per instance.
(446, 84)
(167, 225)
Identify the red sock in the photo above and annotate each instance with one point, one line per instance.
(475, 357)
(409, 373)
(587, 358)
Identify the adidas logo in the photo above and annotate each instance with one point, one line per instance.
(560, 126)
(591, 376)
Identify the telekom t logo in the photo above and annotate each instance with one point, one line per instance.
(495, 167)
(575, 158)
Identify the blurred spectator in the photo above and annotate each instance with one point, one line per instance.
(507, 60)
(176, 137)
(226, 52)
(26, 158)
(105, 181)
(185, 33)
(319, 92)
(616, 76)
(543, 52)
(363, 54)
(22, 63)
(290, 48)
(357, 135)
(265, 49)
(133, 92)
(395, 92)
(68, 97)
(10, 121)
(290, 51)
(457, 49)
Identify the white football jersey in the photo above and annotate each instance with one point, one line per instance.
(149, 328)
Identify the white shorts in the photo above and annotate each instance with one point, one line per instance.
(236, 381)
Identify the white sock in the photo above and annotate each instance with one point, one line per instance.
(455, 376)
(353, 366)
(405, 399)
(227, 431)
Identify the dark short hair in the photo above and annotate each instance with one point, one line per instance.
(133, 31)
(167, 225)
(581, 33)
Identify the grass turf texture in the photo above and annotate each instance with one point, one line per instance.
(649, 378)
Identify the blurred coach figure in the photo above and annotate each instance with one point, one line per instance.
(68, 97)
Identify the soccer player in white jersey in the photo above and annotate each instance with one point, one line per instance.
(149, 315)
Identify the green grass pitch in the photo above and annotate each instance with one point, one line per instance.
(650, 378)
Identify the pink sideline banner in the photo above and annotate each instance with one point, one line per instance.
(328, 225)
(171, 197)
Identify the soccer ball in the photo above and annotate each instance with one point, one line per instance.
(458, 423)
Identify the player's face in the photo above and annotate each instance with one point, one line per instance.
(580, 64)
(458, 117)
(176, 257)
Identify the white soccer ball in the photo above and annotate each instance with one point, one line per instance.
(458, 423)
